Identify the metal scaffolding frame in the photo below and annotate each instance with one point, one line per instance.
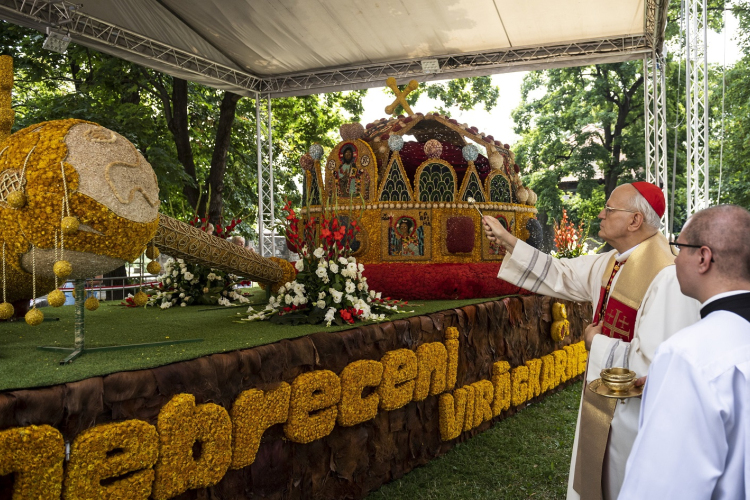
(696, 106)
(655, 121)
(266, 211)
(88, 29)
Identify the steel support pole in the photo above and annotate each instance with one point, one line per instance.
(656, 127)
(266, 214)
(696, 106)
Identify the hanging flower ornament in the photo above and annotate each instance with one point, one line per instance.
(470, 152)
(316, 151)
(329, 286)
(433, 148)
(395, 142)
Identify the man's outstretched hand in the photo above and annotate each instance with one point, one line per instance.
(589, 332)
(496, 232)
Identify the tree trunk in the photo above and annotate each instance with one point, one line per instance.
(178, 125)
(219, 158)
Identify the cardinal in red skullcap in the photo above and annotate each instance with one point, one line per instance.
(637, 304)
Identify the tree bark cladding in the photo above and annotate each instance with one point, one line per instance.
(180, 240)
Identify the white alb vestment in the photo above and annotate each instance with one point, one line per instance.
(663, 312)
(693, 440)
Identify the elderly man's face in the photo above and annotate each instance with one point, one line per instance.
(615, 224)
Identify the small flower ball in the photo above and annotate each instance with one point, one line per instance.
(152, 252)
(140, 299)
(34, 317)
(16, 200)
(433, 148)
(395, 142)
(62, 269)
(351, 131)
(69, 225)
(316, 151)
(92, 304)
(306, 162)
(6, 310)
(496, 161)
(56, 298)
(153, 267)
(470, 152)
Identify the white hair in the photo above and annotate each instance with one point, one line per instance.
(639, 204)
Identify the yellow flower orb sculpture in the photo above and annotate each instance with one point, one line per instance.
(92, 304)
(152, 252)
(73, 173)
(140, 299)
(6, 310)
(56, 298)
(153, 267)
(290, 273)
(16, 200)
(62, 269)
(34, 317)
(69, 225)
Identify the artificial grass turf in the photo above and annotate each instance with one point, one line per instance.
(22, 365)
(524, 456)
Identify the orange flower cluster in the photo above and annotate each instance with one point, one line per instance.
(569, 239)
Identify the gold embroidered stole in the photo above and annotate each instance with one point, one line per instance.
(625, 299)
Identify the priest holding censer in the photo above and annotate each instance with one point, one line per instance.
(637, 305)
(693, 432)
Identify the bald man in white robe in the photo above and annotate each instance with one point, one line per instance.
(694, 436)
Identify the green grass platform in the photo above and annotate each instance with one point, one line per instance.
(22, 365)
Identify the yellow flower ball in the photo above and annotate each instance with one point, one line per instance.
(152, 252)
(34, 317)
(153, 267)
(6, 310)
(56, 298)
(69, 225)
(16, 200)
(140, 299)
(92, 304)
(62, 269)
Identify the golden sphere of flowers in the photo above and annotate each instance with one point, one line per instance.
(56, 298)
(289, 273)
(62, 269)
(6, 310)
(92, 304)
(140, 299)
(69, 225)
(153, 267)
(16, 200)
(34, 317)
(152, 252)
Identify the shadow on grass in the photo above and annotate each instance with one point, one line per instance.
(525, 456)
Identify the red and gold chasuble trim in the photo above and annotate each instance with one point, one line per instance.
(646, 261)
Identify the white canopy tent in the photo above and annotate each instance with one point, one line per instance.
(273, 48)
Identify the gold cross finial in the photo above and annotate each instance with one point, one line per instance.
(400, 96)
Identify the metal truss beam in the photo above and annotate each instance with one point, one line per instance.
(696, 108)
(67, 16)
(266, 212)
(656, 127)
(82, 27)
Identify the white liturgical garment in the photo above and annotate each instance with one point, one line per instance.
(663, 312)
(693, 440)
